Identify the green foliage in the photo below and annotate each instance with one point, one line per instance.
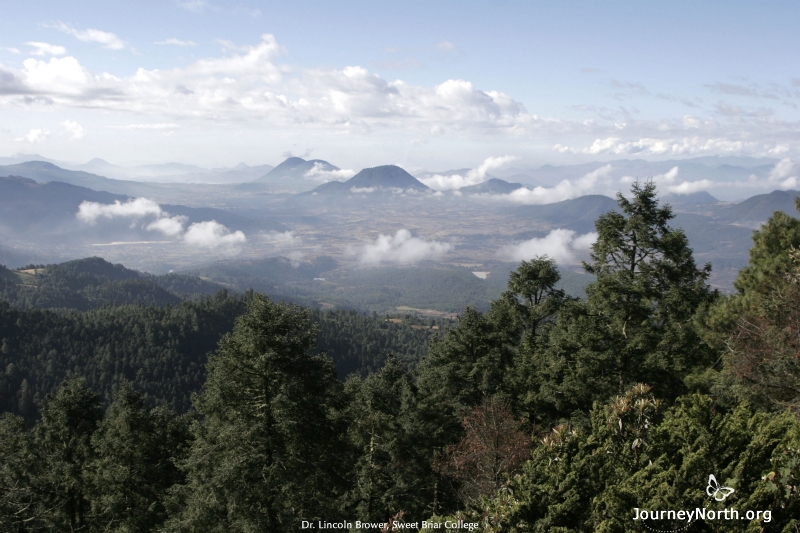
(134, 466)
(592, 481)
(63, 443)
(393, 446)
(269, 451)
(160, 350)
(637, 322)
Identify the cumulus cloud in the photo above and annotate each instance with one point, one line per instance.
(75, 130)
(283, 239)
(90, 212)
(176, 42)
(107, 39)
(207, 234)
(212, 234)
(685, 146)
(564, 190)
(34, 136)
(153, 126)
(170, 226)
(318, 173)
(784, 175)
(563, 245)
(472, 177)
(402, 248)
(46, 49)
(247, 84)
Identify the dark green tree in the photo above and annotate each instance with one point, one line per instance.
(19, 468)
(137, 450)
(534, 282)
(268, 451)
(637, 322)
(392, 441)
(63, 443)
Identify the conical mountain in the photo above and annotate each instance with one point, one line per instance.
(386, 178)
(296, 168)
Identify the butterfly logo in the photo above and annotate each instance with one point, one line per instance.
(717, 492)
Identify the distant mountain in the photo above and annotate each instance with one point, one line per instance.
(41, 209)
(695, 198)
(386, 178)
(578, 214)
(82, 284)
(42, 171)
(293, 175)
(27, 205)
(760, 207)
(491, 186)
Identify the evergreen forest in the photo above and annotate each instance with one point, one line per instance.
(130, 406)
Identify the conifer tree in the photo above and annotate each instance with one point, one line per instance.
(637, 322)
(267, 453)
(392, 442)
(63, 441)
(136, 454)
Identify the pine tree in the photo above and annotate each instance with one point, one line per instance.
(266, 455)
(63, 441)
(393, 445)
(136, 452)
(637, 322)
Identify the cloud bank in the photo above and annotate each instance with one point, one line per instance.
(563, 245)
(206, 234)
(566, 189)
(475, 176)
(401, 248)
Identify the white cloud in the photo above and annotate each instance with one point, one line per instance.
(46, 49)
(246, 84)
(176, 42)
(212, 234)
(685, 146)
(206, 234)
(154, 126)
(74, 129)
(782, 170)
(563, 245)
(107, 39)
(564, 190)
(281, 239)
(89, 212)
(401, 247)
(318, 173)
(472, 177)
(35, 135)
(170, 226)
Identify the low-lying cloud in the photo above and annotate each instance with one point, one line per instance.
(563, 245)
(211, 234)
(319, 173)
(206, 234)
(90, 212)
(474, 176)
(591, 182)
(401, 248)
(784, 175)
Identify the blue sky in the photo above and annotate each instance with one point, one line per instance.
(431, 85)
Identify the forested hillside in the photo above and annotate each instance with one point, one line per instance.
(543, 413)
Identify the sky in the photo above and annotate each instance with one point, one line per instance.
(426, 85)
